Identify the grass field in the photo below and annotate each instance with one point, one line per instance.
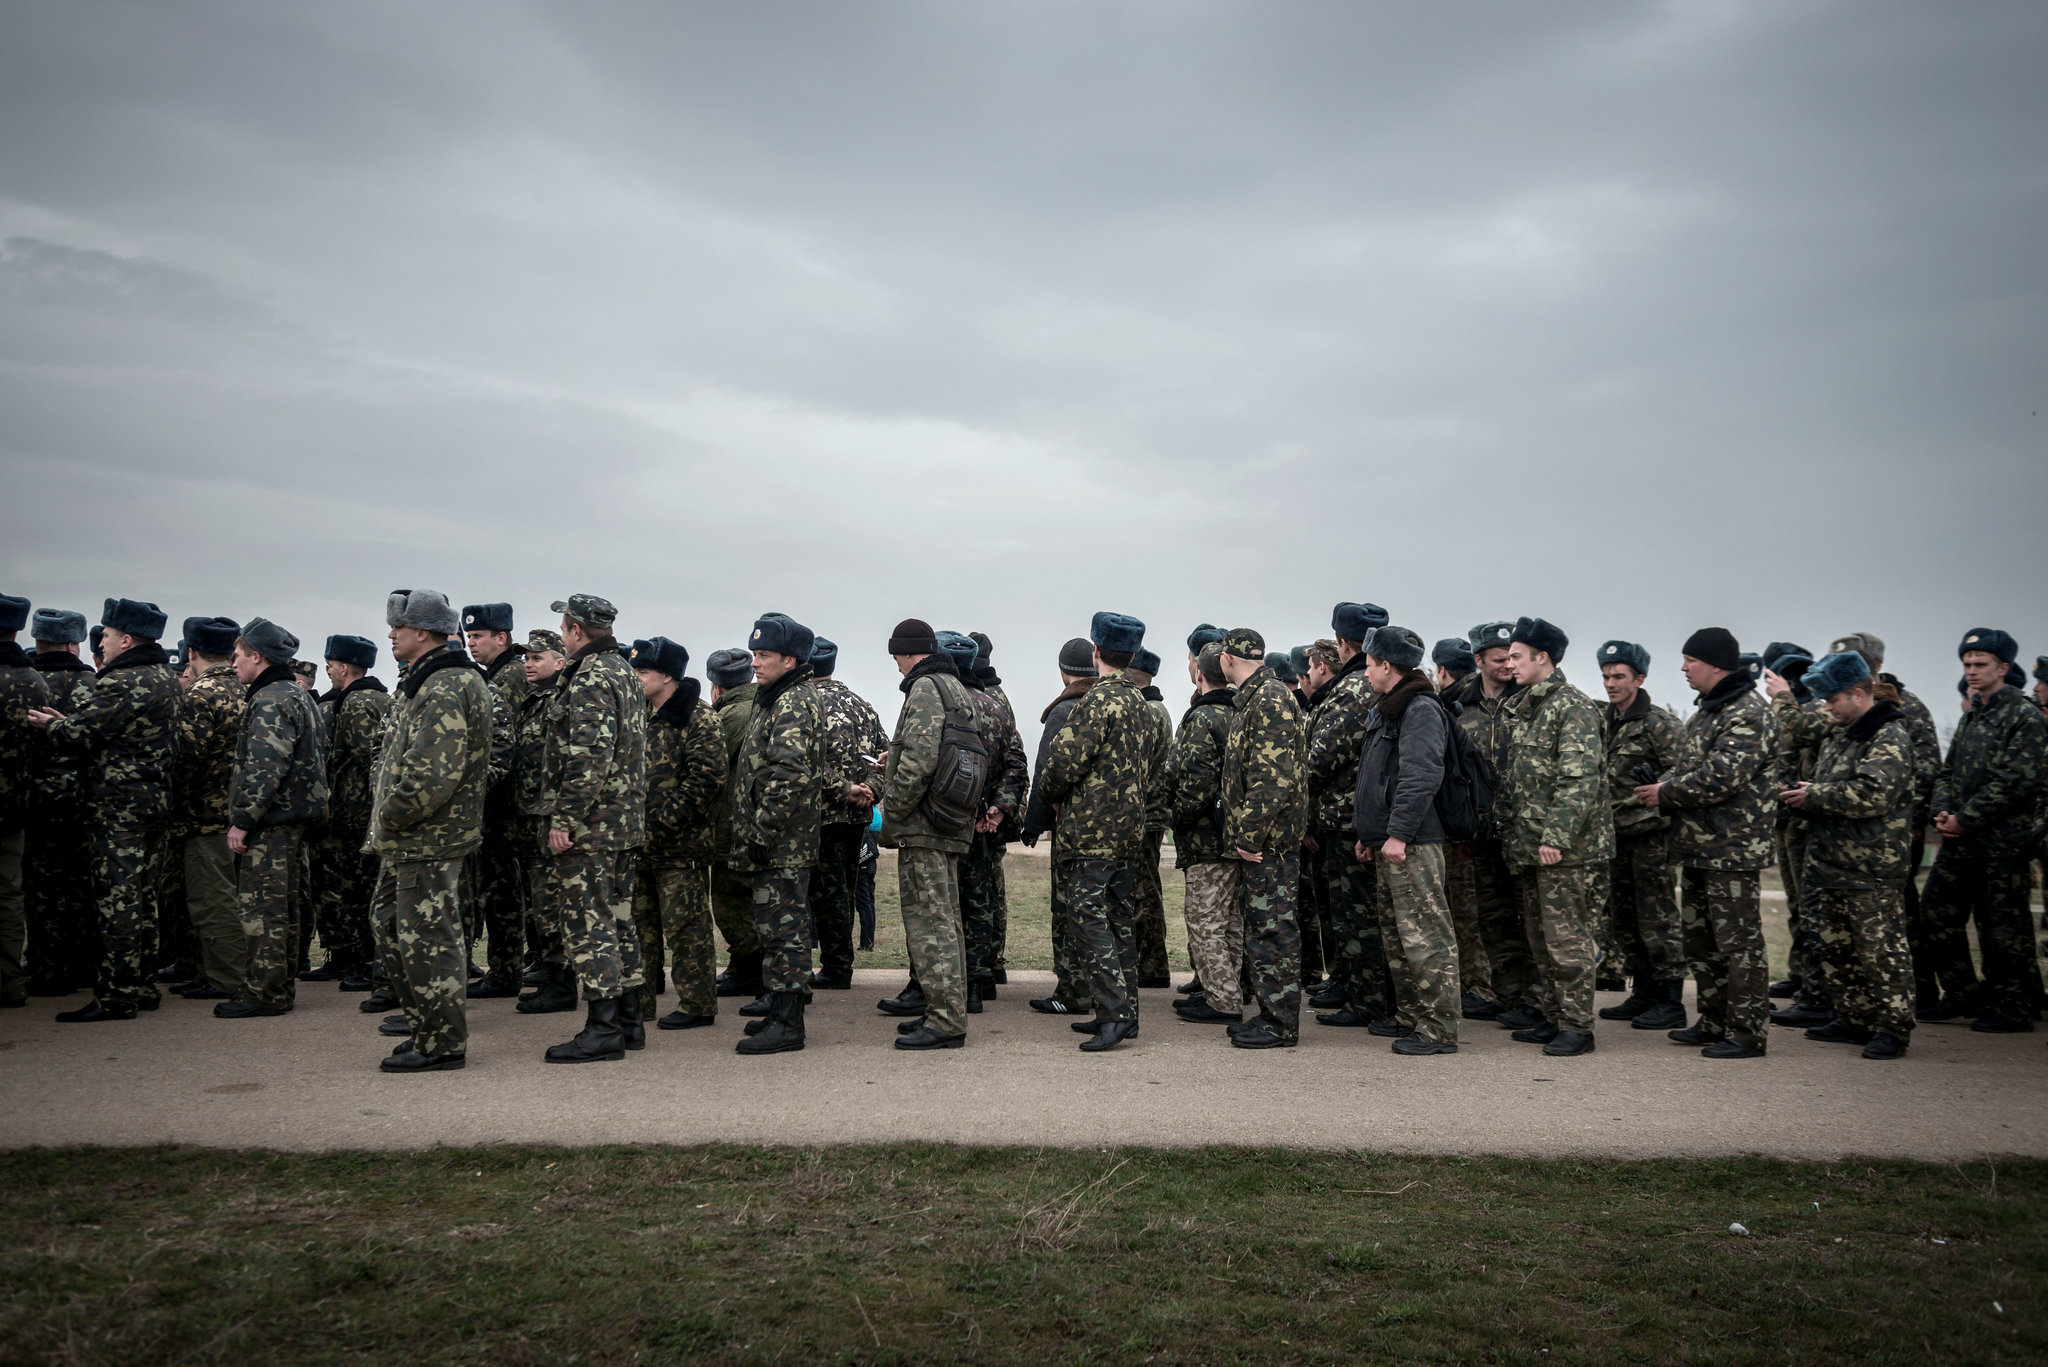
(918, 1254)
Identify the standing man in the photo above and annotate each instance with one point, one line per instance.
(211, 715)
(733, 691)
(1497, 905)
(597, 776)
(986, 681)
(1457, 673)
(500, 875)
(1150, 928)
(345, 872)
(1723, 797)
(279, 788)
(1642, 740)
(554, 986)
(852, 730)
(1095, 777)
(21, 690)
(1986, 803)
(63, 935)
(1071, 992)
(981, 885)
(1265, 804)
(671, 885)
(127, 736)
(1345, 883)
(1215, 925)
(1557, 831)
(428, 814)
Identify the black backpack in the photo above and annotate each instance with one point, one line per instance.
(953, 802)
(1465, 795)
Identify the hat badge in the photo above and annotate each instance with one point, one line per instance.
(1504, 633)
(1969, 640)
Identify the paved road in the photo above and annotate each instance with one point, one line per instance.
(309, 1081)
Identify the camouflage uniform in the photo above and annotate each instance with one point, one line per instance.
(980, 867)
(732, 898)
(279, 788)
(1926, 769)
(1496, 907)
(778, 789)
(127, 735)
(1215, 923)
(1070, 987)
(499, 865)
(63, 929)
(1858, 817)
(1725, 805)
(533, 801)
(210, 717)
(1265, 805)
(1991, 784)
(1642, 888)
(852, 729)
(1400, 773)
(1344, 886)
(671, 886)
(345, 876)
(428, 791)
(597, 778)
(1802, 726)
(928, 856)
(1096, 774)
(21, 689)
(1148, 928)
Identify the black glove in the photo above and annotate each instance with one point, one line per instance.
(1643, 774)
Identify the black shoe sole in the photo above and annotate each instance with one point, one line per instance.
(619, 1057)
(444, 1065)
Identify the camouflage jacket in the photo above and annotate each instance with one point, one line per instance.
(1159, 787)
(1723, 797)
(1039, 816)
(280, 774)
(685, 773)
(597, 751)
(59, 783)
(1926, 750)
(1859, 807)
(1645, 734)
(433, 762)
(506, 676)
(530, 795)
(852, 729)
(1485, 723)
(1198, 777)
(354, 717)
(1096, 772)
(930, 690)
(735, 709)
(1265, 765)
(1554, 791)
(210, 715)
(1011, 773)
(1336, 739)
(1991, 781)
(779, 778)
(21, 689)
(1802, 726)
(128, 736)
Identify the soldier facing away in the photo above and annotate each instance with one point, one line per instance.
(853, 738)
(1345, 884)
(63, 933)
(499, 868)
(1215, 926)
(345, 875)
(21, 689)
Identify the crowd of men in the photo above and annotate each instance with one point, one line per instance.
(1408, 838)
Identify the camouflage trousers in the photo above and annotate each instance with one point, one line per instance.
(1558, 913)
(267, 889)
(832, 895)
(1993, 890)
(125, 857)
(1415, 917)
(1102, 897)
(544, 928)
(1349, 891)
(1149, 928)
(1638, 893)
(416, 919)
(1272, 937)
(782, 924)
(672, 912)
(591, 894)
(13, 916)
(732, 911)
(502, 897)
(212, 893)
(978, 906)
(1000, 940)
(63, 927)
(1724, 942)
(928, 889)
(1215, 919)
(1461, 889)
(1070, 974)
(177, 943)
(1802, 913)
(305, 903)
(344, 881)
(1498, 901)
(1863, 952)
(1311, 919)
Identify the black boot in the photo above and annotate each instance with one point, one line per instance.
(379, 1001)
(600, 1040)
(558, 993)
(742, 977)
(908, 1002)
(974, 996)
(762, 1005)
(1666, 1011)
(632, 1023)
(783, 1030)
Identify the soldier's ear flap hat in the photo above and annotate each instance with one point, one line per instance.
(729, 668)
(270, 640)
(661, 655)
(1538, 634)
(98, 637)
(1834, 672)
(1203, 635)
(959, 647)
(13, 612)
(1077, 656)
(145, 620)
(783, 635)
(352, 650)
(1114, 631)
(2040, 664)
(1353, 620)
(1145, 662)
(1489, 635)
(423, 610)
(1297, 660)
(1716, 646)
(57, 626)
(1397, 646)
(824, 657)
(1778, 650)
(1991, 639)
(2015, 676)
(1244, 643)
(212, 635)
(1453, 653)
(487, 617)
(1625, 653)
(1282, 666)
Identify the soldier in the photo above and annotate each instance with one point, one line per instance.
(127, 735)
(98, 646)
(1265, 809)
(21, 689)
(1986, 805)
(1215, 925)
(1723, 798)
(345, 875)
(1642, 739)
(1802, 724)
(671, 882)
(305, 674)
(777, 796)
(1345, 884)
(1322, 977)
(982, 911)
(1457, 671)
(279, 788)
(1095, 776)
(554, 986)
(176, 932)
(211, 712)
(1858, 807)
(733, 690)
(853, 739)
(1496, 903)
(597, 780)
(1150, 929)
(1395, 827)
(433, 765)
(499, 870)
(63, 932)
(1071, 991)
(1557, 830)
(986, 681)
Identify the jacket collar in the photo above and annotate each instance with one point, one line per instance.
(1636, 710)
(368, 682)
(938, 662)
(60, 662)
(1072, 690)
(443, 656)
(12, 656)
(1215, 697)
(738, 693)
(1258, 678)
(136, 657)
(765, 699)
(681, 703)
(274, 674)
(1866, 726)
(511, 655)
(1726, 691)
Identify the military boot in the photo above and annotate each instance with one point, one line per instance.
(558, 993)
(632, 1020)
(1665, 1013)
(974, 996)
(782, 1031)
(742, 977)
(908, 1002)
(600, 1041)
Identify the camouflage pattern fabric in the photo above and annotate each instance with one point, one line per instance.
(1461, 890)
(1724, 941)
(267, 885)
(1010, 787)
(432, 763)
(280, 776)
(344, 877)
(685, 772)
(1070, 974)
(1994, 890)
(1415, 918)
(1198, 777)
(832, 894)
(215, 901)
(1216, 930)
(1926, 749)
(1159, 783)
(1991, 780)
(123, 861)
(732, 911)
(544, 924)
(210, 715)
(735, 708)
(597, 751)
(1096, 772)
(1100, 907)
(928, 887)
(1272, 939)
(1557, 917)
(1148, 927)
(1869, 968)
(1802, 726)
(21, 689)
(978, 905)
(1001, 934)
(1336, 738)
(63, 930)
(1554, 790)
(1640, 897)
(1486, 724)
(1724, 800)
(1497, 902)
(1351, 891)
(780, 781)
(931, 689)
(591, 892)
(417, 926)
(852, 729)
(1858, 811)
(177, 941)
(529, 769)
(1265, 793)
(672, 910)
(1644, 734)
(782, 921)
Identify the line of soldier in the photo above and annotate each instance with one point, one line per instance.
(579, 804)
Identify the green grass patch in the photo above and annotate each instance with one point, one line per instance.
(914, 1253)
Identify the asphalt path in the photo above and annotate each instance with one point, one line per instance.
(309, 1080)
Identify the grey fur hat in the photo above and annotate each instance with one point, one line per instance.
(1453, 653)
(1830, 674)
(1628, 653)
(423, 610)
(731, 667)
(1487, 635)
(57, 626)
(270, 640)
(1398, 646)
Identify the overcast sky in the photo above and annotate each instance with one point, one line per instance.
(1637, 317)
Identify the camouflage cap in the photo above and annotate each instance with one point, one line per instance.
(540, 638)
(305, 669)
(1244, 643)
(587, 610)
(1867, 644)
(1491, 636)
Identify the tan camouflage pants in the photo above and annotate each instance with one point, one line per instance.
(416, 918)
(216, 906)
(672, 913)
(1415, 925)
(1724, 940)
(1864, 953)
(1558, 918)
(1475, 971)
(1267, 894)
(1216, 931)
(1640, 895)
(592, 892)
(928, 887)
(267, 886)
